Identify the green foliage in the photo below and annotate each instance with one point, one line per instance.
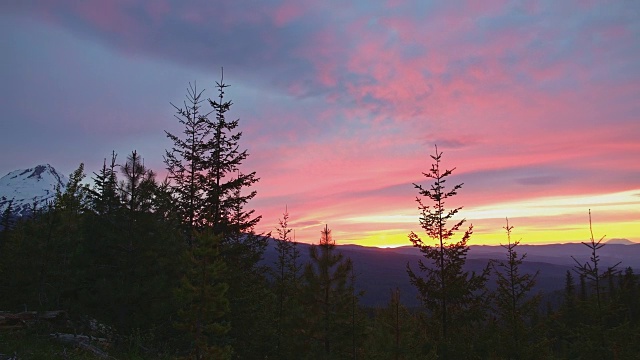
(203, 301)
(129, 252)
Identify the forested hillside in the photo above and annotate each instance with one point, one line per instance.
(135, 267)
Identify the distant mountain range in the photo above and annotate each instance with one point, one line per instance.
(25, 188)
(379, 270)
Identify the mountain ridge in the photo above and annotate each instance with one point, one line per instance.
(380, 270)
(29, 187)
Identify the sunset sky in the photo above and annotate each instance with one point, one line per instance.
(536, 104)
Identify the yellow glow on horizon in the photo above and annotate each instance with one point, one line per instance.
(488, 221)
(569, 233)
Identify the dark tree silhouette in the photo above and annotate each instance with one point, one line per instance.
(104, 198)
(515, 306)
(286, 274)
(450, 294)
(203, 300)
(591, 270)
(328, 298)
(186, 162)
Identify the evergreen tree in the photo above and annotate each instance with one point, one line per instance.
(212, 193)
(286, 275)
(394, 333)
(22, 255)
(227, 193)
(630, 296)
(202, 296)
(252, 301)
(223, 190)
(205, 169)
(128, 269)
(591, 270)
(104, 195)
(569, 301)
(39, 251)
(564, 324)
(595, 337)
(583, 288)
(327, 300)
(515, 306)
(451, 295)
(64, 241)
(7, 223)
(186, 162)
(137, 188)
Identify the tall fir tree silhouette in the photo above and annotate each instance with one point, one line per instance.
(514, 304)
(451, 295)
(328, 297)
(186, 162)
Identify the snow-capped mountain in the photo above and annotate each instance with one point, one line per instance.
(26, 187)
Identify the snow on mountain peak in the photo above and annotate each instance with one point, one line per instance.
(26, 187)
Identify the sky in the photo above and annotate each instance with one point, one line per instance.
(536, 104)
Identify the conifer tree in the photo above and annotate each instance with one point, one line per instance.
(286, 275)
(327, 299)
(211, 193)
(205, 169)
(7, 223)
(451, 295)
(74, 198)
(250, 297)
(595, 337)
(186, 162)
(25, 260)
(202, 296)
(226, 196)
(222, 162)
(65, 239)
(137, 188)
(104, 195)
(562, 324)
(105, 231)
(515, 306)
(394, 333)
(129, 266)
(592, 271)
(630, 296)
(41, 249)
(569, 294)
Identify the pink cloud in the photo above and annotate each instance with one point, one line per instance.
(287, 12)
(108, 16)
